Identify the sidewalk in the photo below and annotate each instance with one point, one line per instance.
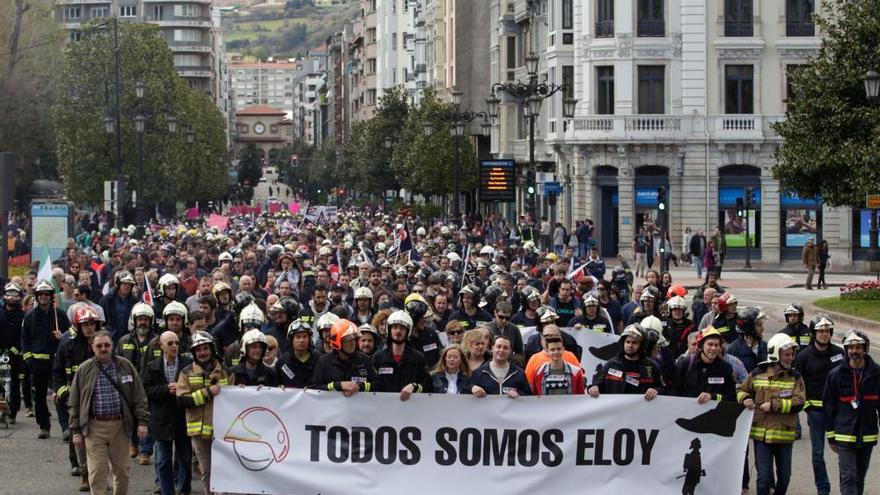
(739, 278)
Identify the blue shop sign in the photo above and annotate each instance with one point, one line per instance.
(727, 196)
(790, 199)
(647, 196)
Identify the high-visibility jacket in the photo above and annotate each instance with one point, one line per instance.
(845, 424)
(785, 391)
(193, 396)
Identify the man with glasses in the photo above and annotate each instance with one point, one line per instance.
(107, 401)
(501, 325)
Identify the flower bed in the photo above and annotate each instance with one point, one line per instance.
(861, 291)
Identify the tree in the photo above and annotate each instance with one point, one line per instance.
(427, 163)
(249, 165)
(30, 52)
(174, 170)
(831, 133)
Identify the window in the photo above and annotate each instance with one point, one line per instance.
(158, 12)
(72, 12)
(568, 80)
(799, 18)
(273, 129)
(187, 60)
(567, 14)
(371, 36)
(187, 35)
(605, 18)
(75, 35)
(652, 89)
(244, 128)
(186, 10)
(371, 66)
(790, 71)
(650, 21)
(371, 97)
(739, 89)
(98, 12)
(394, 41)
(738, 18)
(605, 90)
(128, 11)
(511, 58)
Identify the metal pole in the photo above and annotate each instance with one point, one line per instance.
(120, 220)
(748, 238)
(873, 253)
(140, 186)
(664, 257)
(531, 199)
(7, 191)
(455, 180)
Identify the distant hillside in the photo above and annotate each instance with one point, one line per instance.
(279, 29)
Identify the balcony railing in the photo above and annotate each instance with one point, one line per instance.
(602, 124)
(738, 28)
(652, 27)
(653, 123)
(605, 28)
(795, 27)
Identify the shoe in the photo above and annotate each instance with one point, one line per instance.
(44, 434)
(30, 412)
(144, 460)
(720, 421)
(157, 489)
(84, 483)
(12, 420)
(65, 437)
(132, 452)
(75, 471)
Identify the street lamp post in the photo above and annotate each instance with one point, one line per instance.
(530, 94)
(458, 120)
(871, 79)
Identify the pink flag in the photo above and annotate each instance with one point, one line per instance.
(274, 207)
(218, 221)
(192, 213)
(293, 207)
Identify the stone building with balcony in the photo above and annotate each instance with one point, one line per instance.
(190, 27)
(679, 94)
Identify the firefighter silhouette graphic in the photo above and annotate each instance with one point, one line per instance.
(693, 468)
(259, 438)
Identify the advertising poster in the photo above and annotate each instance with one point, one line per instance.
(735, 228)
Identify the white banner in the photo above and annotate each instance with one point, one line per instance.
(309, 442)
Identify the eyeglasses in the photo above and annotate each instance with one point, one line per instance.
(173, 343)
(502, 317)
(455, 332)
(103, 346)
(272, 348)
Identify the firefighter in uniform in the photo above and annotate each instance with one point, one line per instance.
(776, 392)
(814, 363)
(344, 369)
(134, 346)
(10, 340)
(251, 370)
(850, 403)
(40, 332)
(250, 318)
(197, 386)
(295, 368)
(795, 328)
(176, 318)
(705, 374)
(678, 325)
(75, 347)
(631, 371)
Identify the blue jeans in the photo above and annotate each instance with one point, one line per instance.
(176, 474)
(853, 463)
(816, 421)
(144, 446)
(698, 262)
(583, 249)
(765, 455)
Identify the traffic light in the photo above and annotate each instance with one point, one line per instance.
(661, 198)
(751, 197)
(740, 208)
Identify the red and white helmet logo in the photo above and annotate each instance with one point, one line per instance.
(258, 438)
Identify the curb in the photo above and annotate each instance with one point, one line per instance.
(844, 320)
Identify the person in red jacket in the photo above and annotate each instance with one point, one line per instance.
(557, 376)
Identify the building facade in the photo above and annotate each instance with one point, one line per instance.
(265, 127)
(191, 28)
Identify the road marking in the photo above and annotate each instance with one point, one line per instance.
(785, 275)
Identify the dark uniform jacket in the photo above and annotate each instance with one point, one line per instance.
(393, 376)
(330, 372)
(293, 373)
(37, 341)
(814, 366)
(850, 404)
(167, 418)
(613, 378)
(693, 377)
(262, 375)
(73, 350)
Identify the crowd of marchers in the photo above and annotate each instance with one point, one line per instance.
(132, 338)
